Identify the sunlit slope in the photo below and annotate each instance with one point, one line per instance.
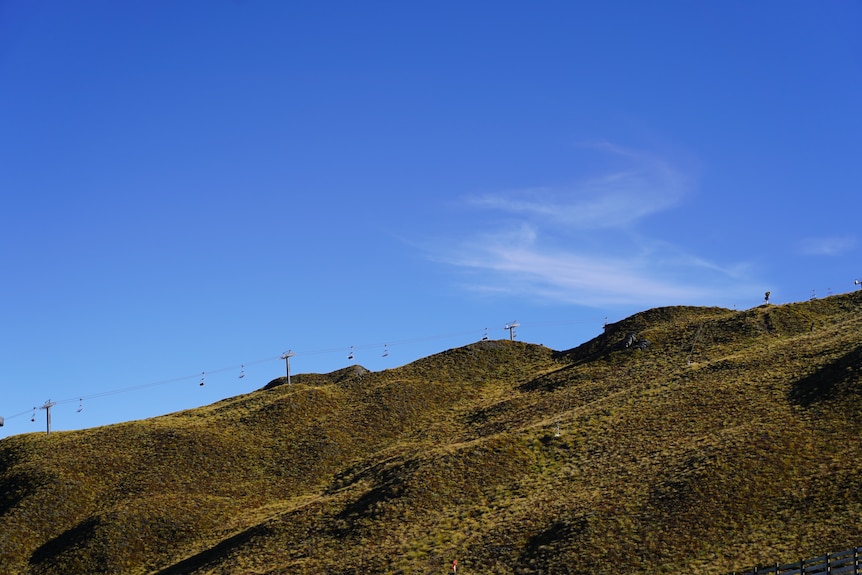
(715, 440)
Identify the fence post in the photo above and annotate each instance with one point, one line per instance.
(855, 561)
(802, 567)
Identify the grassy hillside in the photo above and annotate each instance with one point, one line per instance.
(715, 440)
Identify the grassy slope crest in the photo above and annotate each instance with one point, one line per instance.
(731, 438)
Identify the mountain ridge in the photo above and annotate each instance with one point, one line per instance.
(730, 438)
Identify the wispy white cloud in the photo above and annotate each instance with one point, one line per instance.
(518, 263)
(608, 201)
(580, 243)
(829, 246)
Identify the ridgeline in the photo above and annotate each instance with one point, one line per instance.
(681, 440)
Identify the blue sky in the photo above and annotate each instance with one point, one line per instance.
(189, 187)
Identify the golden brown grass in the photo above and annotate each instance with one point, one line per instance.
(731, 440)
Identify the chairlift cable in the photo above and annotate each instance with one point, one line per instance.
(81, 398)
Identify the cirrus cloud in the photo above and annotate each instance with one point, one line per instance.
(580, 244)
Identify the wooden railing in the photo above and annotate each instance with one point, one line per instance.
(841, 563)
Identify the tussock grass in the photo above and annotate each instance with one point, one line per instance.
(731, 439)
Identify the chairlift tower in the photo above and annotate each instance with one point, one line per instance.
(47, 407)
(286, 357)
(511, 327)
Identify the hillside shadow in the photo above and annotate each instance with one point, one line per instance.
(840, 378)
(542, 547)
(216, 553)
(388, 484)
(560, 378)
(75, 537)
(19, 485)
